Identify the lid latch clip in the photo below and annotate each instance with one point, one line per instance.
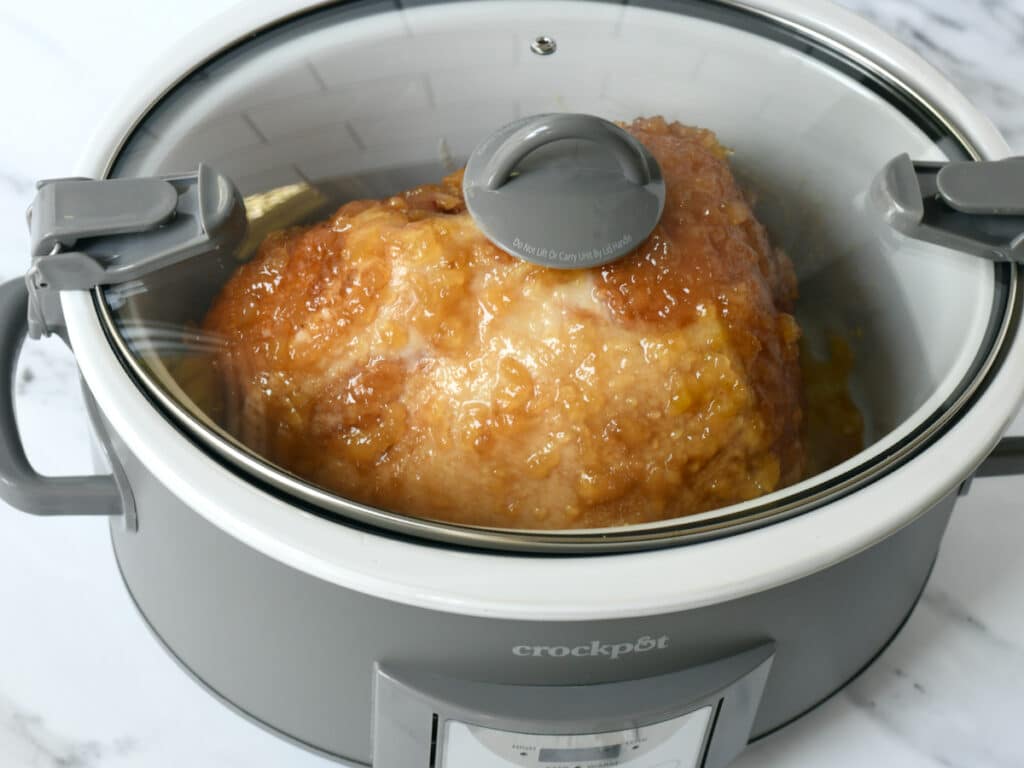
(87, 233)
(974, 207)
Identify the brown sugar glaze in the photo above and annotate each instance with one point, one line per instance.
(395, 356)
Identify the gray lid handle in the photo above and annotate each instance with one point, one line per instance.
(20, 485)
(545, 129)
(592, 196)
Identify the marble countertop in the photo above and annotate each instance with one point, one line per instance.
(84, 685)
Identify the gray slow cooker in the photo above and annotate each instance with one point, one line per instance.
(385, 640)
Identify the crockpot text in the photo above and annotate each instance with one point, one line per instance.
(594, 648)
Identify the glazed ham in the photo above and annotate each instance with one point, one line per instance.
(395, 356)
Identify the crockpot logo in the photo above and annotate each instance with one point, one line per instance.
(595, 648)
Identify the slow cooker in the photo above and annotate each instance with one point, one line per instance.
(381, 639)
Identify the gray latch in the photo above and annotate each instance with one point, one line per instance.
(85, 232)
(975, 207)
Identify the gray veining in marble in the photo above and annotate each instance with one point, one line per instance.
(979, 45)
(26, 739)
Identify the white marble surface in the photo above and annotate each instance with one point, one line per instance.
(83, 685)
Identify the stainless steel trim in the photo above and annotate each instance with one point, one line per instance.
(627, 538)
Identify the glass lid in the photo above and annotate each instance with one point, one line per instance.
(383, 348)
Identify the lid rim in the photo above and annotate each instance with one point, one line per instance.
(627, 538)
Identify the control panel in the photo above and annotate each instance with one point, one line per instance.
(699, 717)
(674, 743)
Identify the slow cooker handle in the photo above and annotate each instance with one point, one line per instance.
(20, 485)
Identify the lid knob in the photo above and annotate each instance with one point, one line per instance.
(567, 191)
